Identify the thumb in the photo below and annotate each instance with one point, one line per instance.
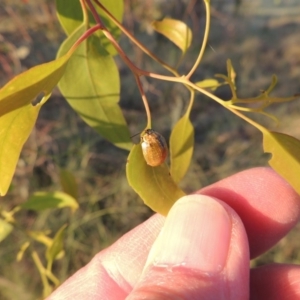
(201, 253)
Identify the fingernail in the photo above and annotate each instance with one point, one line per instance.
(196, 235)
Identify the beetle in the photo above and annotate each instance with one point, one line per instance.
(154, 147)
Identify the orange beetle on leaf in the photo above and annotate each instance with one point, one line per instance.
(154, 147)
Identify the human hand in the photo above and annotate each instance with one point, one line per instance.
(202, 249)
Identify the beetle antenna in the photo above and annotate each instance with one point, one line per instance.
(136, 134)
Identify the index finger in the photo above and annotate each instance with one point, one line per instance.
(267, 205)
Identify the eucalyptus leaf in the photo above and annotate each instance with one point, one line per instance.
(57, 245)
(68, 183)
(5, 229)
(70, 16)
(176, 31)
(285, 158)
(41, 237)
(91, 85)
(45, 200)
(18, 113)
(22, 250)
(153, 184)
(231, 72)
(211, 83)
(181, 147)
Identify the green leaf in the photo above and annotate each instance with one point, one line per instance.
(176, 31)
(68, 183)
(181, 147)
(41, 237)
(91, 85)
(57, 245)
(22, 250)
(231, 72)
(153, 184)
(211, 83)
(44, 200)
(18, 114)
(70, 16)
(44, 273)
(5, 229)
(285, 159)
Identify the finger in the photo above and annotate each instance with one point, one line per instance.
(124, 260)
(201, 253)
(275, 282)
(267, 204)
(114, 271)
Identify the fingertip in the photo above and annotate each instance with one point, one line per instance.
(203, 242)
(190, 238)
